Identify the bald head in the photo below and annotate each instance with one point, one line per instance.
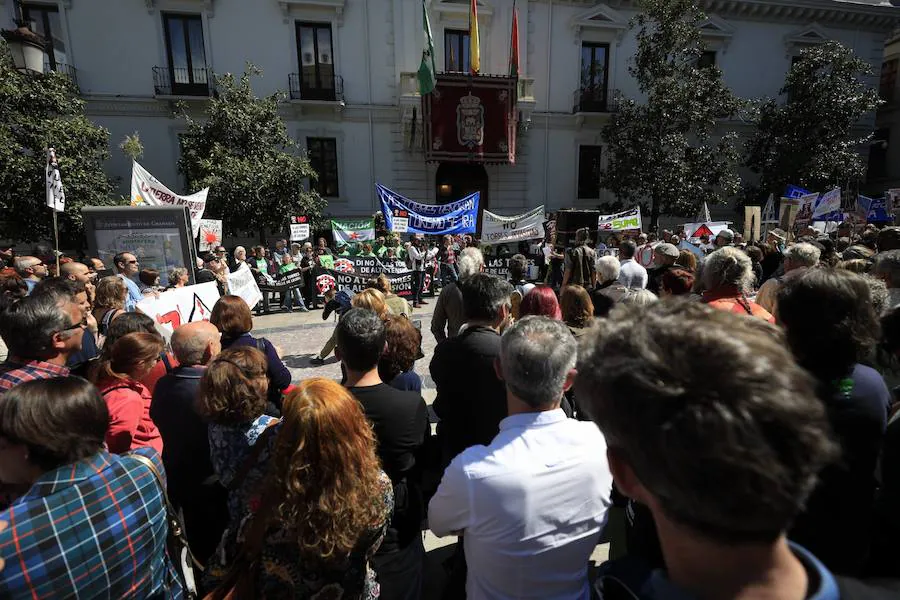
(196, 343)
(75, 271)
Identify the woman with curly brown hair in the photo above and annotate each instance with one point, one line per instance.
(325, 507)
(404, 342)
(232, 398)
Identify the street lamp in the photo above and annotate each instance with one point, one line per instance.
(26, 46)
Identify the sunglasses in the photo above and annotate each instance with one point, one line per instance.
(80, 325)
(131, 262)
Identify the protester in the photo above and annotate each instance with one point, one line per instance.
(636, 297)
(797, 259)
(127, 267)
(186, 442)
(92, 524)
(372, 299)
(118, 377)
(447, 257)
(148, 281)
(291, 296)
(521, 287)
(671, 421)
(419, 255)
(888, 239)
(41, 332)
(677, 282)
(403, 346)
(541, 301)
(214, 270)
(577, 309)
(513, 499)
(631, 273)
(238, 258)
(448, 314)
(687, 260)
(400, 421)
(310, 516)
(724, 238)
(232, 399)
(664, 257)
(395, 303)
(232, 318)
(727, 277)
(80, 272)
(31, 269)
(831, 328)
(887, 268)
(178, 278)
(109, 302)
(756, 256)
(133, 323)
(580, 262)
(471, 406)
(307, 267)
(64, 289)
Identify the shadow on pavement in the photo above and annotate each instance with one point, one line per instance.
(301, 361)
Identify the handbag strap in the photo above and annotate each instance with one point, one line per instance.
(171, 513)
(262, 440)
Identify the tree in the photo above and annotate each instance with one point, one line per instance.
(812, 139)
(40, 111)
(132, 147)
(665, 152)
(242, 151)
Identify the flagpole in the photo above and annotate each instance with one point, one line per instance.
(511, 20)
(56, 239)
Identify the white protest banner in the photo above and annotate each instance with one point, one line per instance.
(176, 307)
(210, 234)
(500, 230)
(805, 214)
(56, 196)
(147, 190)
(830, 202)
(623, 221)
(242, 283)
(299, 229)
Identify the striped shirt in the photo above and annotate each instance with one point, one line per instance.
(93, 529)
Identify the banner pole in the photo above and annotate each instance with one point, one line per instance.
(56, 239)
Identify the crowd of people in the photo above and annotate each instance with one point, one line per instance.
(724, 417)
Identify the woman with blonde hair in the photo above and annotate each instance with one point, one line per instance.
(109, 302)
(398, 305)
(325, 506)
(118, 376)
(372, 299)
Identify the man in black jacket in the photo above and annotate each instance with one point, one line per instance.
(400, 421)
(471, 400)
(186, 440)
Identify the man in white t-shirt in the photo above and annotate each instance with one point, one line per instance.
(532, 504)
(631, 274)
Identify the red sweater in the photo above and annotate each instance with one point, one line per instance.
(130, 425)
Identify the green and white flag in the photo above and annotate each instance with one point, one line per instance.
(350, 231)
(427, 70)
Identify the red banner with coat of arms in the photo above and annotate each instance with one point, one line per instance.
(471, 119)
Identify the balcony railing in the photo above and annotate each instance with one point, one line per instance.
(64, 69)
(329, 90)
(595, 100)
(182, 82)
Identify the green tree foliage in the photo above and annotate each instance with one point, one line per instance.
(242, 151)
(132, 147)
(667, 152)
(36, 112)
(813, 138)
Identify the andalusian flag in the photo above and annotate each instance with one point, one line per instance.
(350, 231)
(474, 45)
(427, 70)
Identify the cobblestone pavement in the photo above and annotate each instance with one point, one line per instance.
(300, 336)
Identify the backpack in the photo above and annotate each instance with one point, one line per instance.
(582, 267)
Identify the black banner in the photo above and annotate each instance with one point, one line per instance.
(354, 272)
(283, 282)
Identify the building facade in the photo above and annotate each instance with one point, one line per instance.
(348, 68)
(884, 155)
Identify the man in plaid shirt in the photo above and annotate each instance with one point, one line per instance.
(92, 524)
(41, 331)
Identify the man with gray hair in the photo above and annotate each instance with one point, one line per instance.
(797, 259)
(31, 269)
(532, 503)
(448, 311)
(41, 332)
(887, 268)
(185, 439)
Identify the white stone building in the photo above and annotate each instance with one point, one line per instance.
(354, 100)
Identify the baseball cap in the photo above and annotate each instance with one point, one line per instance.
(667, 250)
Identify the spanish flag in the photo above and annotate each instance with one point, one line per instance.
(474, 45)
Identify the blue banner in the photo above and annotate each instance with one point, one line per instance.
(430, 219)
(878, 212)
(794, 191)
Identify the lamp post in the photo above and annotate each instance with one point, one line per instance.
(26, 46)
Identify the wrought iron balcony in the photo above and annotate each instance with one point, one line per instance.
(196, 82)
(64, 69)
(327, 90)
(593, 99)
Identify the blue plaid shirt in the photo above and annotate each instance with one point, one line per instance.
(94, 529)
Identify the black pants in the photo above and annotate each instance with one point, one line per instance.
(418, 283)
(400, 573)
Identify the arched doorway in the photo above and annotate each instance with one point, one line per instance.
(454, 181)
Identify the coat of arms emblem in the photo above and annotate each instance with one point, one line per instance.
(470, 121)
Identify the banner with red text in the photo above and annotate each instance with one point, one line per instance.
(147, 190)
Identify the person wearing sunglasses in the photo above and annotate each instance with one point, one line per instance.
(127, 269)
(32, 270)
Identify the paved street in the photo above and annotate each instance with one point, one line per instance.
(300, 336)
